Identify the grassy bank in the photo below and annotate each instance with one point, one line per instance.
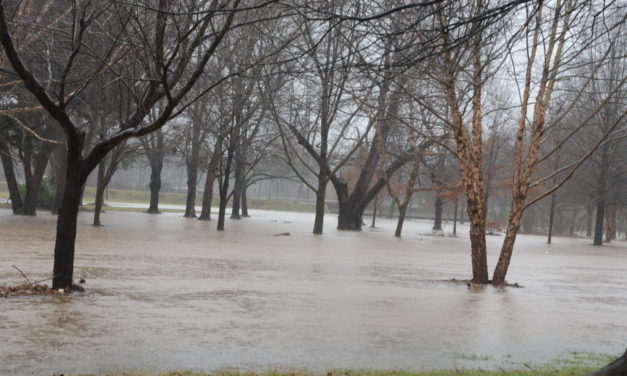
(570, 371)
(173, 198)
(572, 364)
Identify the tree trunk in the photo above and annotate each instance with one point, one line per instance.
(350, 213)
(455, 216)
(610, 223)
(224, 189)
(374, 212)
(14, 193)
(100, 187)
(237, 191)
(34, 176)
(391, 210)
(598, 225)
(601, 193)
(59, 178)
(589, 210)
(207, 196)
(478, 252)
(192, 172)
(192, 178)
(66, 227)
(320, 205)
(551, 218)
(156, 166)
(222, 205)
(244, 198)
(513, 225)
(439, 203)
(401, 218)
(615, 368)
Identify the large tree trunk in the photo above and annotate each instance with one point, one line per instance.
(66, 226)
(478, 254)
(14, 193)
(100, 187)
(320, 205)
(156, 166)
(615, 368)
(437, 222)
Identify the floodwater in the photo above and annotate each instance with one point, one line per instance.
(167, 293)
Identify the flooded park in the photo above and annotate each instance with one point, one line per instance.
(165, 293)
(313, 188)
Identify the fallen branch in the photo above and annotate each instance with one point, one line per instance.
(23, 275)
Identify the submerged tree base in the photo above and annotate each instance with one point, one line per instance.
(617, 368)
(28, 289)
(469, 283)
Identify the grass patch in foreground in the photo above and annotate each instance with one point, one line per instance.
(569, 371)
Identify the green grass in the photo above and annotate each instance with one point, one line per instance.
(571, 371)
(573, 364)
(172, 198)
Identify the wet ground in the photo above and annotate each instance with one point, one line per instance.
(165, 293)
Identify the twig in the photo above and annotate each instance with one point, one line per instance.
(43, 280)
(23, 275)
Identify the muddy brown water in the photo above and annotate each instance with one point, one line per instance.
(168, 293)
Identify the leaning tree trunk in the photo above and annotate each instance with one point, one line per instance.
(513, 225)
(402, 210)
(616, 368)
(14, 193)
(156, 166)
(100, 187)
